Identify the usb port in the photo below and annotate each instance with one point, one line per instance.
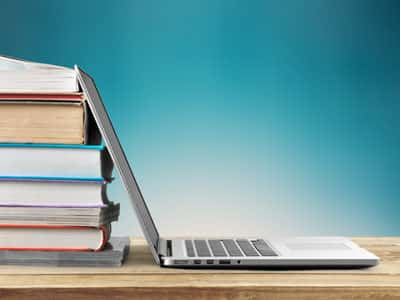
(224, 262)
(210, 262)
(197, 262)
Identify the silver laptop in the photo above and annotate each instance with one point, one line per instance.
(260, 252)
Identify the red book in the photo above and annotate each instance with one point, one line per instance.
(77, 97)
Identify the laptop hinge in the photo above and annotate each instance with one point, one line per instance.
(164, 247)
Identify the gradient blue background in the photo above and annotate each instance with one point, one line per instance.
(244, 117)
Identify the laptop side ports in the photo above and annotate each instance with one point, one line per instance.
(210, 262)
(180, 262)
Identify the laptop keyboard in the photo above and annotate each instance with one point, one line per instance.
(263, 248)
(216, 248)
(189, 248)
(202, 248)
(232, 248)
(228, 247)
(246, 247)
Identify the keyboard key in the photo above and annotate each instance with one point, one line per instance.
(263, 248)
(247, 248)
(232, 248)
(202, 248)
(189, 248)
(217, 248)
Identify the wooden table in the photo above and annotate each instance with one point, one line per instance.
(140, 278)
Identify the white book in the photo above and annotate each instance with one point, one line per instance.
(20, 76)
(53, 215)
(51, 160)
(24, 191)
(52, 238)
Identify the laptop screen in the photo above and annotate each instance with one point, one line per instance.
(118, 156)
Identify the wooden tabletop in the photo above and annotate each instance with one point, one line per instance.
(140, 278)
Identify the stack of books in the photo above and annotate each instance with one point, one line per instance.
(53, 169)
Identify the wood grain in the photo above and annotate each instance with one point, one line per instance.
(140, 278)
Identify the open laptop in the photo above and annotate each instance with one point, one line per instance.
(291, 252)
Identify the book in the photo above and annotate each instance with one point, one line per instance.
(53, 191)
(53, 238)
(113, 255)
(73, 97)
(45, 121)
(42, 122)
(54, 215)
(55, 160)
(23, 76)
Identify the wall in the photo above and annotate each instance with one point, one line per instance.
(247, 117)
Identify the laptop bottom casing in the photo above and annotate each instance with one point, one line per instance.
(291, 253)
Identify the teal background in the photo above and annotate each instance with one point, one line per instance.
(246, 117)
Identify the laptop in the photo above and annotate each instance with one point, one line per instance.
(257, 252)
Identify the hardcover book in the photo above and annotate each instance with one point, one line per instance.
(90, 216)
(52, 191)
(53, 237)
(55, 160)
(23, 76)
